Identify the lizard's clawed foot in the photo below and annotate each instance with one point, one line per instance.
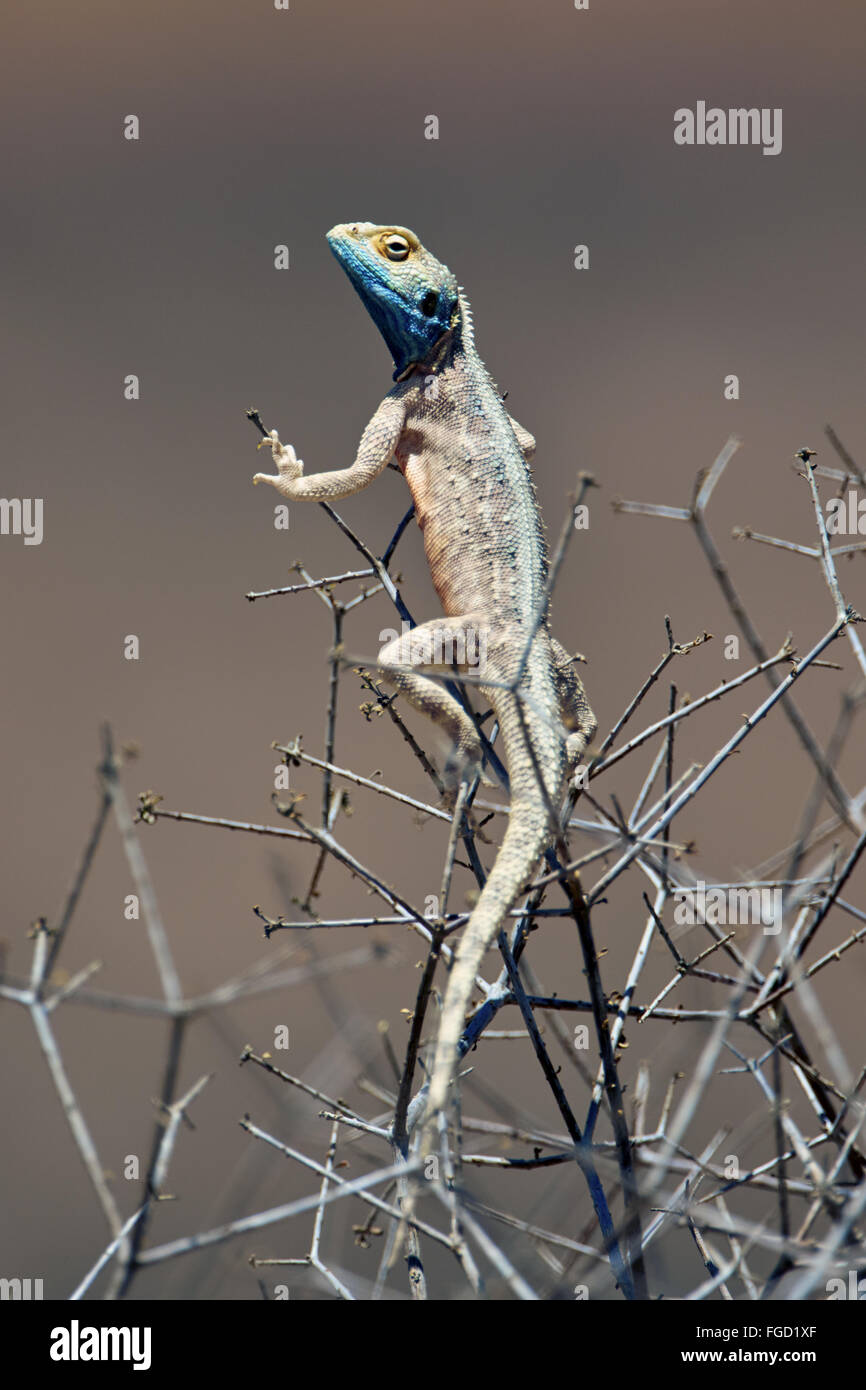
(289, 466)
(450, 790)
(463, 765)
(473, 765)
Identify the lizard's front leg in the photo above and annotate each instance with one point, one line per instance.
(525, 440)
(375, 451)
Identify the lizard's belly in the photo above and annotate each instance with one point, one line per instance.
(480, 535)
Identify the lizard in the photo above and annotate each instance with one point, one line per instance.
(466, 461)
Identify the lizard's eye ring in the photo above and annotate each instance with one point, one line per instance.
(430, 303)
(396, 248)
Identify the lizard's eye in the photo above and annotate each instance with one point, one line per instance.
(430, 303)
(395, 247)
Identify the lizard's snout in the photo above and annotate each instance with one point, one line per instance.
(348, 229)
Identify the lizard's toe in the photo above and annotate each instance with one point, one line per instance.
(465, 763)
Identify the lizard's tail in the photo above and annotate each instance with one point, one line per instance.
(530, 830)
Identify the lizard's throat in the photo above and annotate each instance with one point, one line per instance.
(457, 338)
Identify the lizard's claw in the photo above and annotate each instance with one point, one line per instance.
(464, 764)
(289, 466)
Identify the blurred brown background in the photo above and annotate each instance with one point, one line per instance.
(155, 257)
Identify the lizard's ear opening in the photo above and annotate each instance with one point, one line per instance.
(430, 303)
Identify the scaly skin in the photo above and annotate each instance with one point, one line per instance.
(465, 461)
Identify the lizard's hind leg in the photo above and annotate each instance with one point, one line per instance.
(440, 645)
(577, 716)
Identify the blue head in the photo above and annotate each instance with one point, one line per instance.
(412, 298)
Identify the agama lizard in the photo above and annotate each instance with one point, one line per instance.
(465, 460)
